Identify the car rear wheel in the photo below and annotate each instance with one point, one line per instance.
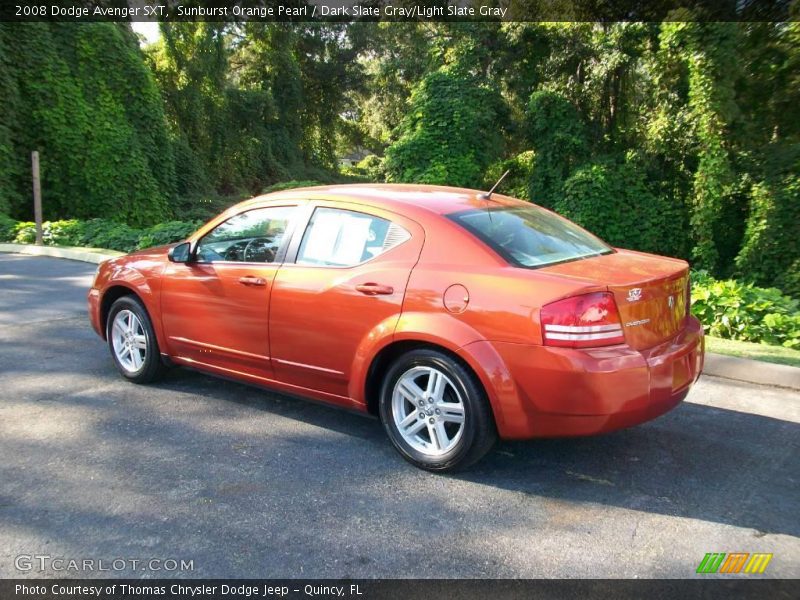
(435, 411)
(132, 341)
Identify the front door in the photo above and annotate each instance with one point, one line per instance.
(215, 309)
(347, 278)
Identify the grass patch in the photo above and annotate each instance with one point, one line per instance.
(764, 352)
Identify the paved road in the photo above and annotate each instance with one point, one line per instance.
(244, 482)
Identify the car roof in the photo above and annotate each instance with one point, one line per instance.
(407, 199)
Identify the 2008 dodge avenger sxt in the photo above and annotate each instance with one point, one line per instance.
(455, 316)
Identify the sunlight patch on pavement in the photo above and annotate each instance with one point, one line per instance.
(764, 401)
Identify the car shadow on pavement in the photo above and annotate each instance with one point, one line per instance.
(697, 462)
(200, 465)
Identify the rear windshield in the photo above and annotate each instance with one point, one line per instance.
(529, 236)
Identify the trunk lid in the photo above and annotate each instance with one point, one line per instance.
(650, 292)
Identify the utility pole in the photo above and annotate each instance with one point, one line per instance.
(37, 197)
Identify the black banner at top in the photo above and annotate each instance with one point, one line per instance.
(399, 10)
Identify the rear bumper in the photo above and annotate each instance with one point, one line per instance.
(570, 392)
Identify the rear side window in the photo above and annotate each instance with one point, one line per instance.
(345, 238)
(529, 236)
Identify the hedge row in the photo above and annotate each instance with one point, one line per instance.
(96, 233)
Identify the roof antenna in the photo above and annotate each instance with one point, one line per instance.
(488, 195)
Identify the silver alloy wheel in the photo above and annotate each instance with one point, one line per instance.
(129, 340)
(427, 410)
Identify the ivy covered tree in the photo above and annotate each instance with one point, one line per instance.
(558, 138)
(190, 64)
(612, 198)
(770, 254)
(127, 122)
(710, 54)
(10, 161)
(102, 142)
(679, 137)
(450, 134)
(53, 120)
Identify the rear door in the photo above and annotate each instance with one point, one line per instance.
(345, 276)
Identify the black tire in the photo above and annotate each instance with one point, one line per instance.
(479, 432)
(151, 367)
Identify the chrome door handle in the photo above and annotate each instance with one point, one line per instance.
(250, 280)
(375, 289)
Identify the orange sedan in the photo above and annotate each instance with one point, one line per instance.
(454, 317)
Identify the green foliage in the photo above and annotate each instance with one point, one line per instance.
(253, 103)
(399, 55)
(86, 101)
(740, 311)
(289, 185)
(166, 233)
(99, 233)
(678, 137)
(203, 206)
(558, 137)
(789, 279)
(53, 117)
(127, 109)
(612, 199)
(7, 228)
(10, 164)
(516, 184)
(451, 134)
(772, 239)
(709, 50)
(371, 168)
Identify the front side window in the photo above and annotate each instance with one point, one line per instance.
(253, 236)
(345, 238)
(529, 236)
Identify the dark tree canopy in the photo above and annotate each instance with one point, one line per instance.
(681, 138)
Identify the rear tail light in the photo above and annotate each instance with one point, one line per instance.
(584, 321)
(688, 296)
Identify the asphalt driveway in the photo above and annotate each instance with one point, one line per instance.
(247, 483)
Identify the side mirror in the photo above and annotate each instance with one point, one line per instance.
(182, 253)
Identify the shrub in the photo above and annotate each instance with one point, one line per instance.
(741, 311)
(99, 233)
(373, 167)
(611, 198)
(517, 183)
(115, 236)
(7, 228)
(368, 170)
(62, 233)
(24, 232)
(166, 233)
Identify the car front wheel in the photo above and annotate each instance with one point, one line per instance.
(435, 411)
(132, 341)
